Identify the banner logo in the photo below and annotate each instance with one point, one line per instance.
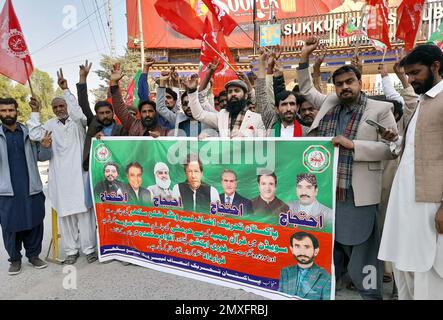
(316, 159)
(102, 154)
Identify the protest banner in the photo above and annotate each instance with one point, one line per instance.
(221, 211)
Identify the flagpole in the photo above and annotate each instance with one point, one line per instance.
(254, 22)
(256, 44)
(384, 55)
(29, 78)
(223, 58)
(142, 39)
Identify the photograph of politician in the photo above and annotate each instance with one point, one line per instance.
(196, 196)
(230, 195)
(267, 203)
(161, 188)
(307, 192)
(110, 186)
(136, 193)
(306, 279)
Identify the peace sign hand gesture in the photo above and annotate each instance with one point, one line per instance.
(62, 82)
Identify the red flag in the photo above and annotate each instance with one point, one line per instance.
(14, 53)
(226, 73)
(223, 73)
(377, 25)
(207, 55)
(227, 23)
(181, 17)
(409, 17)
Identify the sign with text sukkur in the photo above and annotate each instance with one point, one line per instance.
(250, 214)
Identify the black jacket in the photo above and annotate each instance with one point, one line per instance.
(94, 126)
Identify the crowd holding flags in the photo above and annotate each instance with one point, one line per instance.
(212, 35)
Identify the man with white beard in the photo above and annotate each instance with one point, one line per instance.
(162, 182)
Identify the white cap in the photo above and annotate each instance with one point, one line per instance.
(160, 166)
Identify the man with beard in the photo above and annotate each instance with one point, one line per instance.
(306, 111)
(196, 196)
(147, 124)
(233, 121)
(144, 93)
(222, 100)
(183, 121)
(102, 124)
(281, 119)
(413, 231)
(110, 185)
(161, 189)
(22, 202)
(305, 279)
(67, 180)
(307, 191)
(343, 116)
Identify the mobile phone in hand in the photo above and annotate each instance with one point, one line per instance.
(376, 125)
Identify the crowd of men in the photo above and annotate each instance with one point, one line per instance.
(400, 234)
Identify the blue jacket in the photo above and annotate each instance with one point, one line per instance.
(34, 152)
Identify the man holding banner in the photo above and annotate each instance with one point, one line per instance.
(342, 116)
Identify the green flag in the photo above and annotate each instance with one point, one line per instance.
(136, 82)
(437, 36)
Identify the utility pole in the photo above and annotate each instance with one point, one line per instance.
(142, 40)
(111, 29)
(254, 22)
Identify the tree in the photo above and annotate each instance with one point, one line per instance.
(43, 86)
(130, 63)
(18, 92)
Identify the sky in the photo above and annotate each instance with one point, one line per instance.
(43, 21)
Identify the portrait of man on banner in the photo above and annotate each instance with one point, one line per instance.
(195, 195)
(306, 279)
(307, 194)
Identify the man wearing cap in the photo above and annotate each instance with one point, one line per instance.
(233, 121)
(307, 193)
(161, 188)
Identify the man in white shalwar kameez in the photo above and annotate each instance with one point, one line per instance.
(67, 180)
(413, 234)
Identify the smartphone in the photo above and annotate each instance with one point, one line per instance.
(378, 126)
